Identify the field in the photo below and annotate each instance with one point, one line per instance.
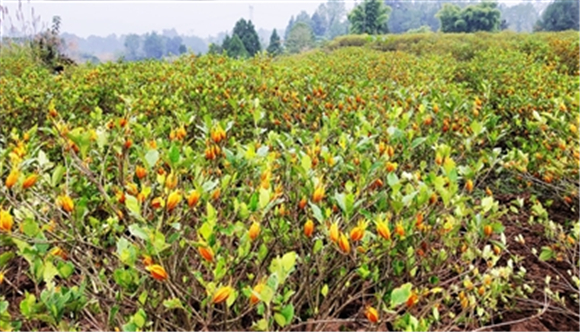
(419, 182)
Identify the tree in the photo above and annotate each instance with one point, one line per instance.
(300, 38)
(520, 17)
(289, 27)
(275, 46)
(153, 46)
(235, 48)
(318, 23)
(369, 17)
(172, 45)
(481, 17)
(248, 36)
(132, 45)
(560, 15)
(407, 15)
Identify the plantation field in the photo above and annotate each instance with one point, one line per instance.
(418, 182)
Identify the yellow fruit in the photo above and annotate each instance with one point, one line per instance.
(29, 181)
(469, 186)
(334, 232)
(372, 314)
(222, 294)
(157, 272)
(193, 198)
(357, 233)
(318, 194)
(66, 203)
(173, 199)
(343, 243)
(141, 172)
(206, 253)
(383, 230)
(254, 231)
(12, 178)
(6, 221)
(257, 290)
(487, 230)
(308, 228)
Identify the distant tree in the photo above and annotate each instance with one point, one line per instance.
(132, 47)
(235, 48)
(481, 17)
(560, 15)
(172, 45)
(247, 34)
(275, 46)
(406, 15)
(214, 49)
(153, 46)
(520, 17)
(370, 17)
(182, 49)
(289, 27)
(300, 39)
(318, 23)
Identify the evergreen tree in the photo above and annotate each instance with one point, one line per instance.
(247, 34)
(235, 48)
(275, 47)
(481, 17)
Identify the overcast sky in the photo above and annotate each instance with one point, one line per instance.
(202, 18)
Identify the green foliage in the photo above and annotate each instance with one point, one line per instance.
(560, 15)
(235, 48)
(248, 36)
(412, 15)
(275, 47)
(481, 17)
(153, 46)
(369, 17)
(196, 178)
(300, 39)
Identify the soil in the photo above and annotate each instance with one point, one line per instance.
(555, 318)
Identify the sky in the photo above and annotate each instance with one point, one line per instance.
(203, 18)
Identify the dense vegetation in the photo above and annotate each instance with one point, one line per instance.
(385, 186)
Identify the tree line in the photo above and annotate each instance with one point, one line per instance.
(330, 19)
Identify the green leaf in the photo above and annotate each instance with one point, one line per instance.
(546, 254)
(306, 163)
(140, 318)
(288, 313)
(266, 294)
(317, 212)
(151, 158)
(324, 290)
(133, 205)
(65, 270)
(262, 324)
(173, 303)
(57, 175)
(401, 294)
(392, 179)
(264, 197)
(206, 230)
(418, 141)
(5, 258)
(289, 261)
(174, 155)
(139, 232)
(280, 319)
(50, 271)
(30, 227)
